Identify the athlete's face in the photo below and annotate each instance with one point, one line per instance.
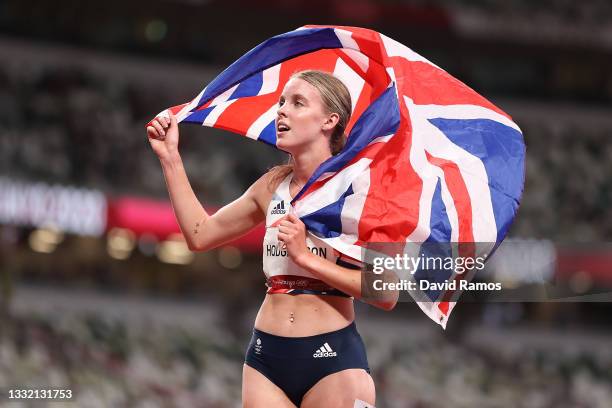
(301, 117)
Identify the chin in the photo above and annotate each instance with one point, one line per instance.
(281, 143)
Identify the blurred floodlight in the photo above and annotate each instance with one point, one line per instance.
(45, 240)
(120, 243)
(230, 257)
(174, 251)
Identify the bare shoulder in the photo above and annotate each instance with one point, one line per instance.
(263, 188)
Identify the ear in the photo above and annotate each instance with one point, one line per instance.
(331, 121)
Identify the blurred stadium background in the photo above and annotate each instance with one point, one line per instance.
(99, 294)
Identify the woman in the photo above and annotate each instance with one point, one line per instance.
(305, 350)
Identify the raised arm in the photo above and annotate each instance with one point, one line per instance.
(201, 230)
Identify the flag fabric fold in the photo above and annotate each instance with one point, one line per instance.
(427, 158)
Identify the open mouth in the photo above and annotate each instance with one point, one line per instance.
(281, 127)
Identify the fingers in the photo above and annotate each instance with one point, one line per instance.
(283, 238)
(161, 133)
(291, 219)
(164, 121)
(287, 230)
(152, 132)
(172, 118)
(288, 226)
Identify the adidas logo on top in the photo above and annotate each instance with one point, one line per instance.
(325, 351)
(279, 208)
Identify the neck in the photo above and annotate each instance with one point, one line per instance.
(304, 164)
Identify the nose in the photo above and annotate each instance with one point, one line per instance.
(280, 112)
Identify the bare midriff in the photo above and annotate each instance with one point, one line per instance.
(303, 315)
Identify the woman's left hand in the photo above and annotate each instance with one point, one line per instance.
(292, 232)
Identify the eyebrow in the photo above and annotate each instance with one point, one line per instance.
(295, 96)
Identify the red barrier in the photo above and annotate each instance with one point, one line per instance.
(146, 216)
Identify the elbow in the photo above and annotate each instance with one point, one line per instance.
(193, 248)
(387, 306)
(191, 244)
(196, 246)
(202, 246)
(388, 302)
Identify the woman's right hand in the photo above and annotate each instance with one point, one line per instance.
(164, 136)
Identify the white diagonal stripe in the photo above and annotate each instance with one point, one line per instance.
(353, 82)
(260, 124)
(471, 167)
(429, 175)
(346, 38)
(212, 117)
(462, 112)
(396, 49)
(224, 96)
(381, 139)
(334, 188)
(270, 80)
(360, 59)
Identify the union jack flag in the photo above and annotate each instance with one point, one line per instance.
(427, 158)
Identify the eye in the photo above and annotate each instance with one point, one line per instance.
(298, 103)
(281, 102)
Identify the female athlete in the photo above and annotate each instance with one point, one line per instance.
(305, 349)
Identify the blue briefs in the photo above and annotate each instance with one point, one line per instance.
(295, 364)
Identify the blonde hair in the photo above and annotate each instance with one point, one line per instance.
(336, 99)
